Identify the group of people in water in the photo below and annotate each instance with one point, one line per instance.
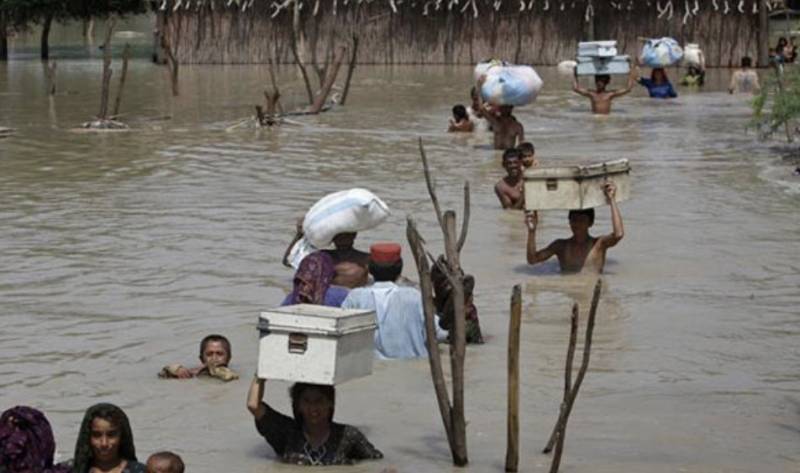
(353, 279)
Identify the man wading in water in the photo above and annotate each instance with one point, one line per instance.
(509, 189)
(582, 251)
(507, 130)
(600, 97)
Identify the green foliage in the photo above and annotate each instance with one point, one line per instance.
(778, 103)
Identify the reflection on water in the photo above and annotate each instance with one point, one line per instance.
(120, 251)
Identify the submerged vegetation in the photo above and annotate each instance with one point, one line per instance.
(778, 103)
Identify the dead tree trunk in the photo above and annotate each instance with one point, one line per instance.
(105, 90)
(330, 79)
(45, 39)
(296, 42)
(350, 68)
(512, 436)
(3, 37)
(452, 412)
(763, 34)
(172, 64)
(126, 53)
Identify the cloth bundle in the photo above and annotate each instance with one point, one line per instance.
(663, 52)
(507, 84)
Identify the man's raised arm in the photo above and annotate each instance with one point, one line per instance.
(618, 231)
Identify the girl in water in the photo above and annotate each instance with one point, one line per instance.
(105, 443)
(658, 85)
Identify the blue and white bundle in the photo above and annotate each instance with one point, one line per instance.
(508, 84)
(663, 52)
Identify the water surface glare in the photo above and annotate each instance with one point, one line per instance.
(118, 252)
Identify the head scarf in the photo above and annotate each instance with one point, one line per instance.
(83, 448)
(316, 269)
(26, 442)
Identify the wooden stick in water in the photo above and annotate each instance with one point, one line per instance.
(514, 323)
(439, 384)
(561, 425)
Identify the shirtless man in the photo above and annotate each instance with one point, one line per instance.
(600, 97)
(745, 80)
(351, 264)
(510, 188)
(582, 252)
(507, 130)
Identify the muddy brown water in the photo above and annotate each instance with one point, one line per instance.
(118, 252)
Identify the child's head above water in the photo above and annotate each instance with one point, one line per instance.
(601, 81)
(459, 113)
(527, 153)
(164, 462)
(215, 350)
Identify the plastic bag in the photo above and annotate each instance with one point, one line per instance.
(511, 85)
(347, 211)
(662, 52)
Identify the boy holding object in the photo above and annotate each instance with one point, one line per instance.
(601, 97)
(581, 252)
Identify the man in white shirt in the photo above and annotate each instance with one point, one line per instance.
(401, 320)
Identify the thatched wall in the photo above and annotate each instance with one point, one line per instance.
(418, 33)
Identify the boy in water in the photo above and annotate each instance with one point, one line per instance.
(510, 188)
(581, 252)
(165, 462)
(601, 97)
(528, 155)
(507, 130)
(460, 120)
(744, 80)
(215, 355)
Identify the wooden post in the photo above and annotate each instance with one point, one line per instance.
(559, 432)
(126, 53)
(296, 43)
(763, 34)
(512, 436)
(458, 341)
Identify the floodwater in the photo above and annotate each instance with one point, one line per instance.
(119, 251)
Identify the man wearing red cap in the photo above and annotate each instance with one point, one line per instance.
(401, 320)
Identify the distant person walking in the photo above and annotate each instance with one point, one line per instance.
(745, 79)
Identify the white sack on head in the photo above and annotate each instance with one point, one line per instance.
(663, 52)
(353, 210)
(511, 85)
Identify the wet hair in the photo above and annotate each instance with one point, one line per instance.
(577, 213)
(175, 461)
(460, 112)
(296, 392)
(747, 61)
(512, 153)
(84, 457)
(602, 77)
(215, 338)
(526, 148)
(386, 272)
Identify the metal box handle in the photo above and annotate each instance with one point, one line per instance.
(298, 343)
(552, 184)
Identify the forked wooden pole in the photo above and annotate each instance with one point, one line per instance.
(559, 432)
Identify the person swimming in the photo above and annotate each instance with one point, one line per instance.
(215, 355)
(460, 121)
